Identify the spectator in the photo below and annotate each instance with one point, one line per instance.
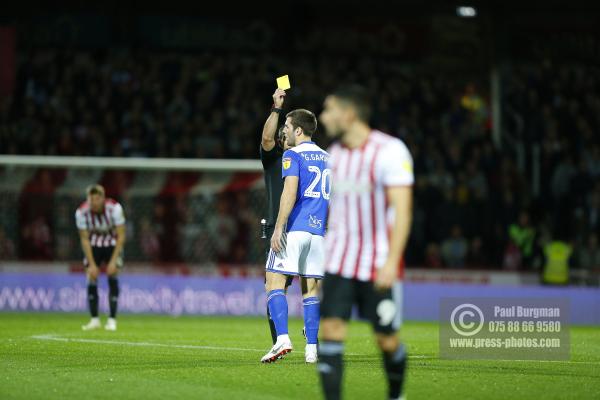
(558, 255)
(222, 229)
(592, 213)
(38, 239)
(477, 257)
(522, 235)
(588, 256)
(149, 241)
(433, 258)
(512, 260)
(7, 246)
(455, 248)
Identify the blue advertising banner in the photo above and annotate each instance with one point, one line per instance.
(173, 295)
(176, 295)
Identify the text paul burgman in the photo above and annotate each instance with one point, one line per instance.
(526, 312)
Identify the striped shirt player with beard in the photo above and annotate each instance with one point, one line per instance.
(101, 225)
(370, 218)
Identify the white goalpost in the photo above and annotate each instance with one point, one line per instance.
(136, 163)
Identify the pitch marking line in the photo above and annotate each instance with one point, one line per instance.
(556, 361)
(57, 338)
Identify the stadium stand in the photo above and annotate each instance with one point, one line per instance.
(145, 103)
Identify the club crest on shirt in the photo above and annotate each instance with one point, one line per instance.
(287, 162)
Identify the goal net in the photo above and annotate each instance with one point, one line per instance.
(193, 214)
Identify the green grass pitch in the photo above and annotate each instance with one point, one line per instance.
(47, 356)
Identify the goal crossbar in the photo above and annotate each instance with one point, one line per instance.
(138, 163)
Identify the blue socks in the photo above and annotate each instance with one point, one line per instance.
(278, 308)
(311, 319)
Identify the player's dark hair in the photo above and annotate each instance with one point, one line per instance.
(303, 119)
(357, 97)
(95, 189)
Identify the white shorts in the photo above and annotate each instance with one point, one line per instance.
(304, 255)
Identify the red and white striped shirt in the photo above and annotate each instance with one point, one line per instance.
(101, 226)
(360, 218)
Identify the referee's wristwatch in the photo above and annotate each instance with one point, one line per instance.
(276, 110)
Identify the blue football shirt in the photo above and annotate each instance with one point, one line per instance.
(308, 162)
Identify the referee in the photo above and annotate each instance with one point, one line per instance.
(271, 150)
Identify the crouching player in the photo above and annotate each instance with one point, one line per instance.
(101, 226)
(298, 237)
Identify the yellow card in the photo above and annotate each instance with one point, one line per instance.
(283, 82)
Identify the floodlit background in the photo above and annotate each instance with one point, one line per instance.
(164, 103)
(499, 104)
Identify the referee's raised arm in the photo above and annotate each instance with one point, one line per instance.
(270, 128)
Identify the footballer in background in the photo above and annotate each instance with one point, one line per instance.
(101, 225)
(370, 218)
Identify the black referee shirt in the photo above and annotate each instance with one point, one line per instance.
(271, 161)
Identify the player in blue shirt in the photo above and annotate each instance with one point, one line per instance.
(297, 245)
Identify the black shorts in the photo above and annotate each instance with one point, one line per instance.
(102, 255)
(382, 308)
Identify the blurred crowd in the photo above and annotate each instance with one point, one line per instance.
(478, 202)
(509, 205)
(557, 113)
